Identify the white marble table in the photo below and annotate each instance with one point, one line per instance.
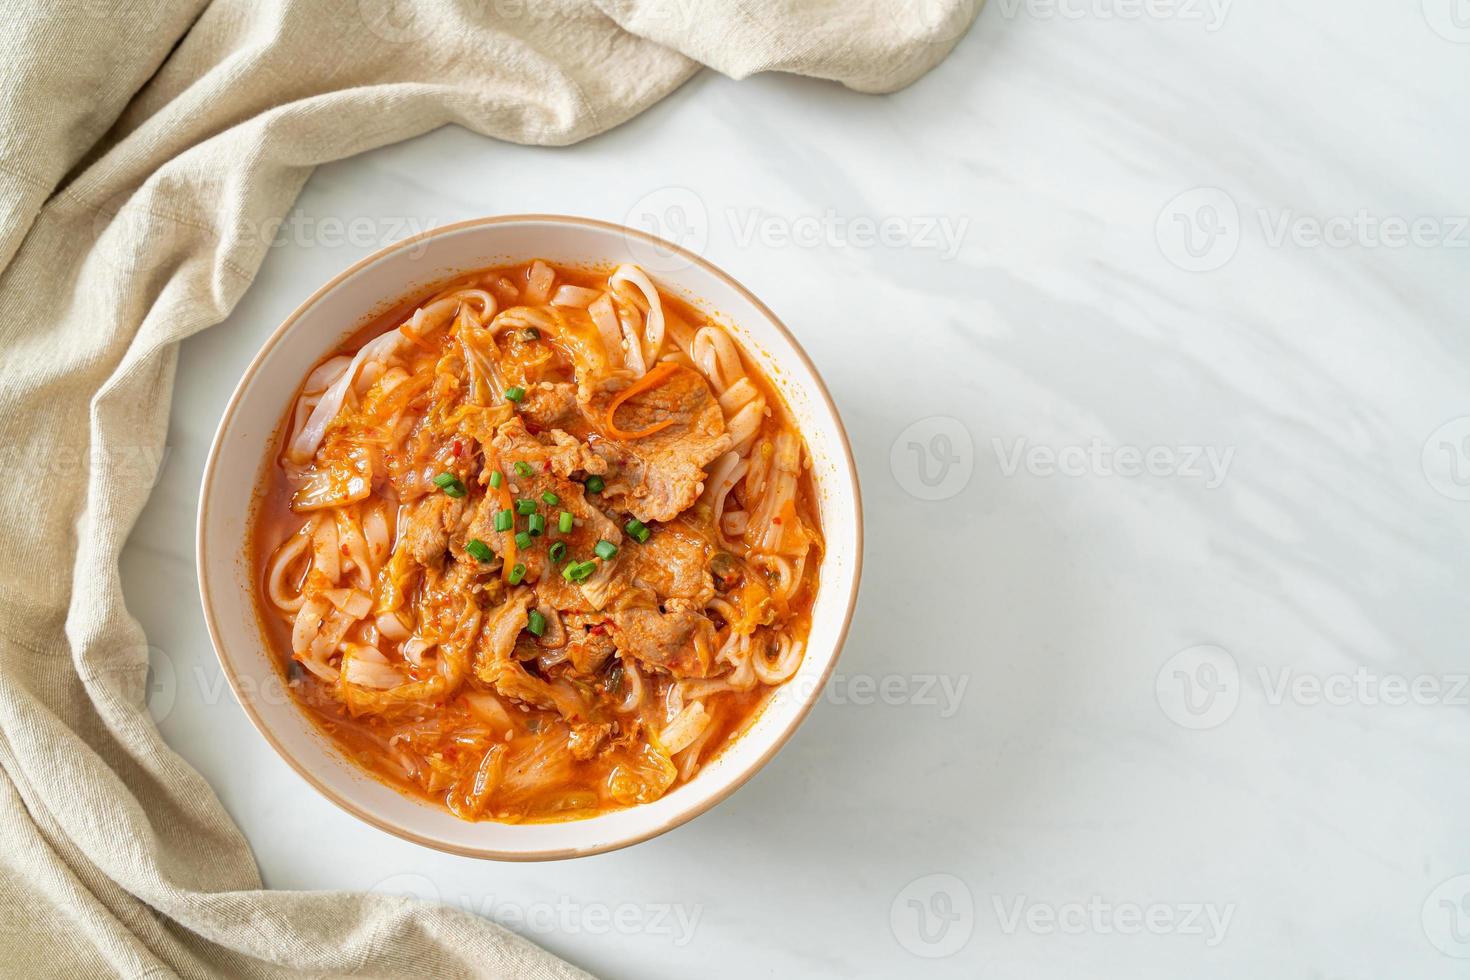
(1149, 326)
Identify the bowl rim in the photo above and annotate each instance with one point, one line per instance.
(491, 853)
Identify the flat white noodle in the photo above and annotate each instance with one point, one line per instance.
(735, 650)
(310, 438)
(375, 530)
(673, 702)
(685, 728)
(286, 555)
(326, 559)
(349, 533)
(715, 353)
(632, 348)
(786, 468)
(728, 470)
(326, 373)
(653, 323)
(733, 523)
(304, 406)
(689, 764)
(353, 602)
(633, 688)
(308, 624)
(415, 648)
(785, 664)
(740, 400)
(365, 666)
(425, 320)
(606, 321)
(392, 627)
(576, 296)
(539, 282)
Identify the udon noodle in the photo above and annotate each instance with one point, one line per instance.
(537, 545)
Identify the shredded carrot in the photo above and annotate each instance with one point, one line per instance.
(661, 373)
(507, 538)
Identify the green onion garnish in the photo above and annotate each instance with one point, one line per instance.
(595, 484)
(523, 469)
(536, 525)
(557, 551)
(533, 334)
(523, 540)
(450, 484)
(535, 622)
(579, 571)
(478, 550)
(496, 479)
(564, 522)
(550, 499)
(636, 530)
(515, 393)
(517, 573)
(525, 507)
(504, 520)
(605, 550)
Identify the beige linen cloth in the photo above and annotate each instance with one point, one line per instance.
(143, 144)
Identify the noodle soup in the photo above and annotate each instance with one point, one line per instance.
(537, 545)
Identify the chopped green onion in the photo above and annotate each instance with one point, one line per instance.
(535, 622)
(478, 550)
(504, 520)
(517, 574)
(496, 479)
(564, 522)
(636, 530)
(450, 484)
(533, 334)
(557, 551)
(525, 507)
(605, 550)
(579, 571)
(595, 484)
(523, 540)
(536, 525)
(515, 393)
(550, 499)
(523, 468)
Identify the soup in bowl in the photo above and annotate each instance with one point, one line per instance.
(530, 537)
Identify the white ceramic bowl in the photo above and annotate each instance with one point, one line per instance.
(244, 440)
